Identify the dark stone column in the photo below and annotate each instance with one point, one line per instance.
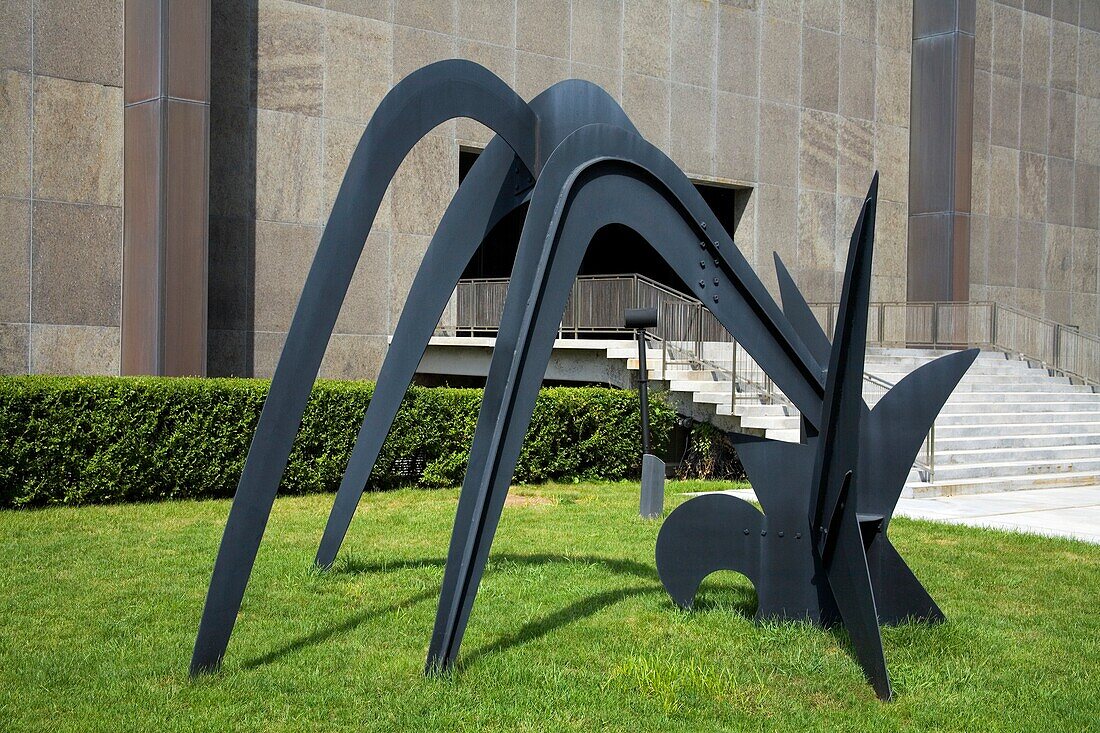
(940, 150)
(167, 135)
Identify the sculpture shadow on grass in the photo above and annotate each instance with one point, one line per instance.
(582, 608)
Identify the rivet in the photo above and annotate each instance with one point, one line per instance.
(703, 225)
(702, 284)
(702, 245)
(702, 264)
(715, 281)
(716, 261)
(746, 531)
(763, 533)
(780, 534)
(716, 244)
(715, 298)
(798, 535)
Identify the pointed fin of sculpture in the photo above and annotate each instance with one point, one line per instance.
(895, 429)
(842, 406)
(798, 312)
(834, 489)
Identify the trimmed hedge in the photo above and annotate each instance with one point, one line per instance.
(88, 440)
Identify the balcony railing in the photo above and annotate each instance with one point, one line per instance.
(687, 332)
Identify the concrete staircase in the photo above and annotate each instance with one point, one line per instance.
(1008, 426)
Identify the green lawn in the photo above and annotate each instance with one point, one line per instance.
(571, 630)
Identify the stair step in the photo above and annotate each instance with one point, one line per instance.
(1046, 386)
(1031, 453)
(699, 385)
(1017, 468)
(1014, 429)
(770, 422)
(958, 397)
(1008, 418)
(1034, 406)
(920, 490)
(1027, 377)
(1022, 440)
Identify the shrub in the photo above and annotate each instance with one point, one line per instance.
(84, 440)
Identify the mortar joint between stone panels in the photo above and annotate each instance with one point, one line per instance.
(622, 48)
(714, 92)
(30, 196)
(668, 82)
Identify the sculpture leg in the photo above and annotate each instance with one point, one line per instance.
(562, 108)
(523, 348)
(850, 582)
(486, 196)
(313, 322)
(417, 104)
(899, 596)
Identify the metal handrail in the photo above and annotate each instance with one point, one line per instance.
(688, 331)
(962, 324)
(690, 334)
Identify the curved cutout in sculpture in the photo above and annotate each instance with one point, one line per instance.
(573, 154)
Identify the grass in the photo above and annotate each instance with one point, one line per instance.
(571, 630)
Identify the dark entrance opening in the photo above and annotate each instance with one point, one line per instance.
(615, 250)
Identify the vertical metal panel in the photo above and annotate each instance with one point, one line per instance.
(185, 252)
(963, 122)
(940, 150)
(143, 226)
(188, 44)
(932, 118)
(142, 50)
(167, 89)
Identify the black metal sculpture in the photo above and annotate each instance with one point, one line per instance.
(820, 552)
(579, 163)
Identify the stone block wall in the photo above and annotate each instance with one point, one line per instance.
(799, 100)
(60, 185)
(1034, 238)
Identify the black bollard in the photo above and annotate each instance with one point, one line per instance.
(653, 468)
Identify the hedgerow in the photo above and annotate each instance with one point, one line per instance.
(92, 440)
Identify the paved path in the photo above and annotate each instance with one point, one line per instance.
(1072, 512)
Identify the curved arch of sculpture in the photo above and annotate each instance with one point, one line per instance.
(632, 183)
(423, 100)
(492, 189)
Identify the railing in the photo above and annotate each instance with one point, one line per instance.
(687, 332)
(957, 325)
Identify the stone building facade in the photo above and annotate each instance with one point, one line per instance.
(60, 186)
(798, 101)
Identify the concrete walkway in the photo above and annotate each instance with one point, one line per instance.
(1071, 512)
